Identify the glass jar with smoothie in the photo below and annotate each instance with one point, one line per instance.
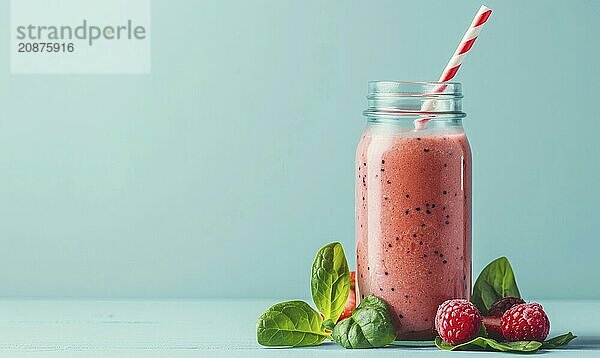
(413, 202)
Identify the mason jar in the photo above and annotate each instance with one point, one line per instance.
(413, 202)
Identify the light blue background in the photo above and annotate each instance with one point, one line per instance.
(222, 172)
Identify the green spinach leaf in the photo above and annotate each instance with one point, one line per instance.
(488, 344)
(330, 281)
(329, 324)
(496, 281)
(290, 324)
(370, 326)
(558, 341)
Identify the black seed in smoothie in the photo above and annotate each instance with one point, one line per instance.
(406, 212)
(386, 273)
(418, 138)
(414, 235)
(433, 206)
(397, 238)
(380, 288)
(389, 245)
(441, 255)
(436, 252)
(407, 196)
(424, 255)
(444, 192)
(376, 175)
(447, 216)
(405, 296)
(385, 197)
(363, 296)
(420, 242)
(445, 261)
(400, 316)
(389, 182)
(365, 164)
(426, 150)
(363, 198)
(464, 277)
(447, 222)
(445, 165)
(418, 209)
(383, 170)
(382, 161)
(392, 289)
(368, 268)
(428, 211)
(422, 225)
(455, 194)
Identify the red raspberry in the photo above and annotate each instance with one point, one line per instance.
(526, 321)
(503, 305)
(457, 321)
(492, 320)
(492, 326)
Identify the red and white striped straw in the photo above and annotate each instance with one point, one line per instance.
(457, 58)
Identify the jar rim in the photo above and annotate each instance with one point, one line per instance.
(415, 82)
(403, 99)
(433, 89)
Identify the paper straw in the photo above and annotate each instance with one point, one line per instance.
(457, 58)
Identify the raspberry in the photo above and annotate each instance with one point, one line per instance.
(492, 326)
(502, 305)
(492, 320)
(526, 321)
(457, 321)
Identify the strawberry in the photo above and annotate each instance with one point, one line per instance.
(351, 301)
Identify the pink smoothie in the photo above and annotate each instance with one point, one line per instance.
(413, 207)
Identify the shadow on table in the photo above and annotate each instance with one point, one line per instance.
(329, 345)
(580, 343)
(585, 343)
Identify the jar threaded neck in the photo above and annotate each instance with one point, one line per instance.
(413, 100)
